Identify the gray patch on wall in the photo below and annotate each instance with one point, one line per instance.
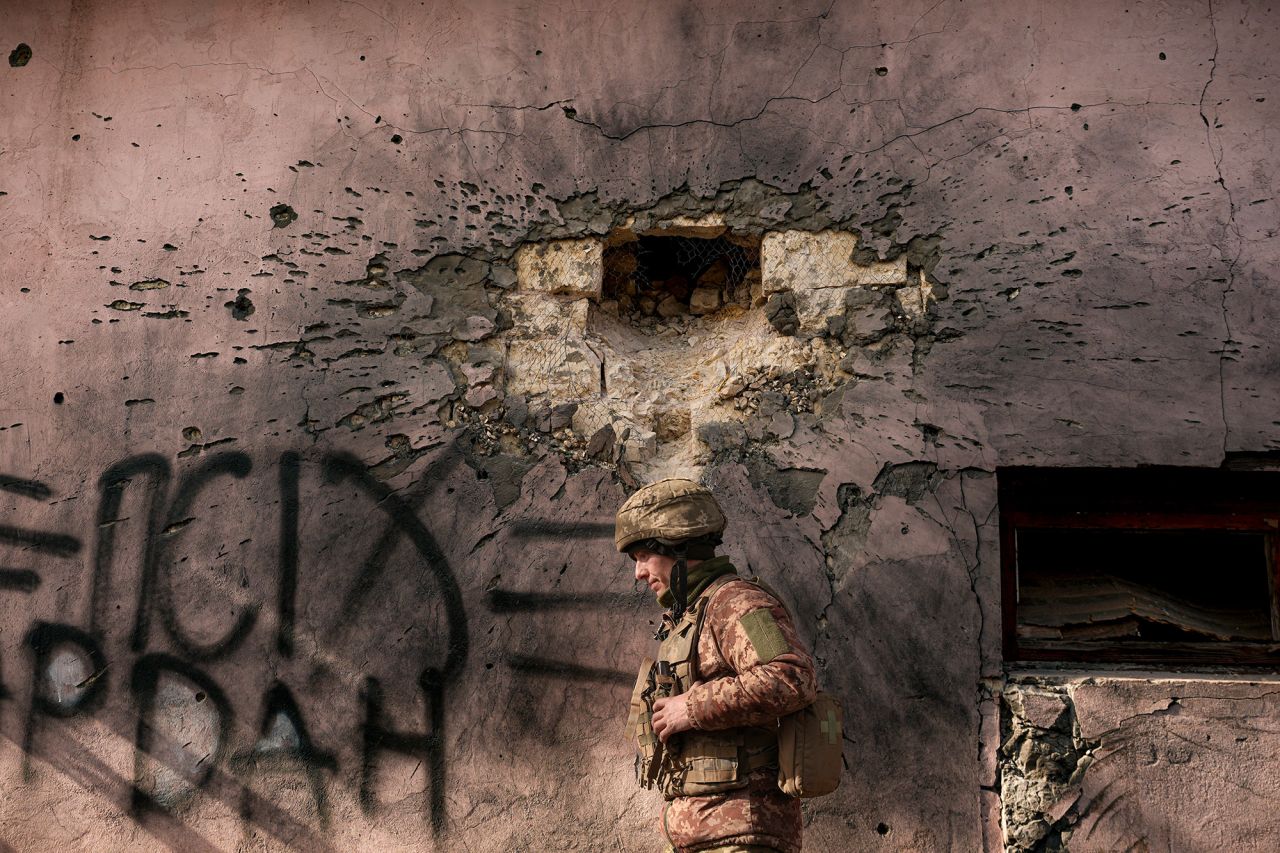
(792, 489)
(844, 541)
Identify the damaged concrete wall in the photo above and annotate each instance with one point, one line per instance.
(315, 413)
(1125, 763)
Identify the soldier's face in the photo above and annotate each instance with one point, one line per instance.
(653, 569)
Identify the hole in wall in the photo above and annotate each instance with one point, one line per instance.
(654, 279)
(666, 342)
(657, 341)
(672, 309)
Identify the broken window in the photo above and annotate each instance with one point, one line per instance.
(668, 277)
(1143, 566)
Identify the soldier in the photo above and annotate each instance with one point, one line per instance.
(704, 716)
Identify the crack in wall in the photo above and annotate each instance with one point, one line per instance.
(1218, 153)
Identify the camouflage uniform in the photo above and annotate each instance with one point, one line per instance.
(739, 689)
(750, 668)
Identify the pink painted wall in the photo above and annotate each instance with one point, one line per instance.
(271, 589)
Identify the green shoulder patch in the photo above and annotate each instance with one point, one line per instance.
(765, 635)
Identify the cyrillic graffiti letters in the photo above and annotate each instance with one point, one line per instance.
(237, 465)
(143, 682)
(285, 746)
(429, 746)
(82, 695)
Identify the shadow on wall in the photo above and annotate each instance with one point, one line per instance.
(218, 715)
(100, 681)
(155, 677)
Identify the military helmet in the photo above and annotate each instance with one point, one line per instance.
(669, 511)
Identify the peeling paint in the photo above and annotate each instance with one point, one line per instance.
(309, 542)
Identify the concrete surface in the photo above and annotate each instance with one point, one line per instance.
(294, 561)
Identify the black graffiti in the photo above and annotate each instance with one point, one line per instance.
(561, 669)
(233, 464)
(27, 580)
(143, 682)
(152, 587)
(41, 642)
(18, 580)
(163, 527)
(340, 467)
(290, 467)
(502, 601)
(75, 761)
(55, 544)
(370, 573)
(111, 487)
(378, 737)
(27, 488)
(306, 756)
(562, 529)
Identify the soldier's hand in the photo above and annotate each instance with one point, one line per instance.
(671, 716)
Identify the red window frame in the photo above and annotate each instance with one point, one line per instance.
(1157, 499)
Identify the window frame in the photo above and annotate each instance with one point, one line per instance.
(1164, 498)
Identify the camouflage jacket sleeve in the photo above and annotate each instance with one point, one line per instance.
(765, 671)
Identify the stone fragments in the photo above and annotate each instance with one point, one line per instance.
(704, 300)
(705, 227)
(914, 298)
(1044, 760)
(572, 267)
(639, 445)
(473, 328)
(671, 307)
(704, 361)
(479, 378)
(549, 354)
(868, 317)
(817, 269)
(561, 369)
(801, 261)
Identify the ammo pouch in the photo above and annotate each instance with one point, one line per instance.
(714, 762)
(810, 742)
(640, 726)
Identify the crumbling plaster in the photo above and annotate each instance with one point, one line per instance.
(659, 399)
(261, 404)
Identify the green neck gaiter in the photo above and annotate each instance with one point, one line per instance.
(700, 577)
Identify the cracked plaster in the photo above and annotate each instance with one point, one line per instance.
(1094, 215)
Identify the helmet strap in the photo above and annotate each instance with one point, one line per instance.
(679, 583)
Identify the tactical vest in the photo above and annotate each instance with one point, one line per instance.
(691, 763)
